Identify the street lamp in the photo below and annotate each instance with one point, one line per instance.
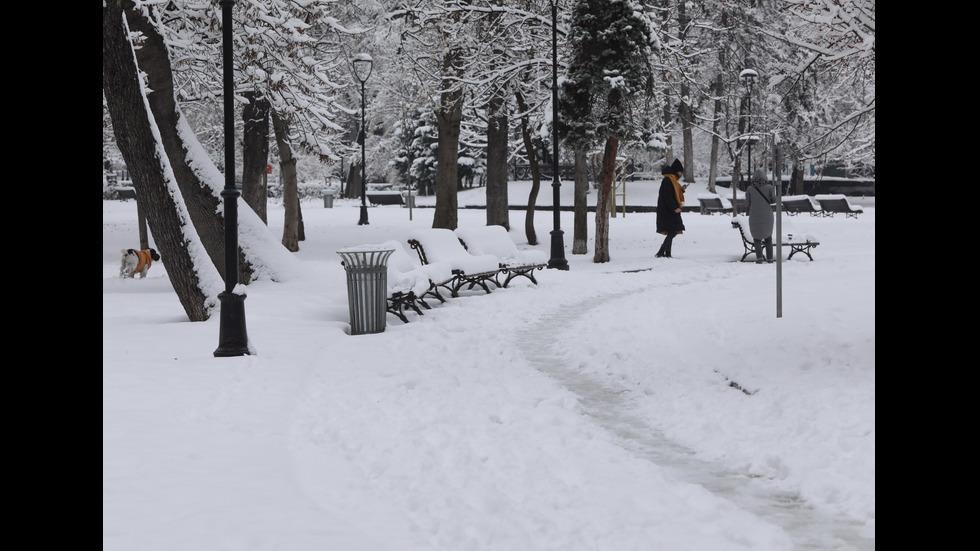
(748, 78)
(362, 65)
(232, 337)
(557, 236)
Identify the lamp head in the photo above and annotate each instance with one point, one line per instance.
(748, 77)
(362, 64)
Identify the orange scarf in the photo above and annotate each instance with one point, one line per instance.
(678, 190)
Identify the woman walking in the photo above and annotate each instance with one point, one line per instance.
(669, 203)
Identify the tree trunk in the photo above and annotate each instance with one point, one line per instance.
(532, 160)
(354, 179)
(602, 202)
(736, 181)
(668, 132)
(797, 180)
(255, 154)
(147, 163)
(580, 241)
(202, 203)
(713, 162)
(685, 113)
(141, 220)
(448, 118)
(290, 193)
(498, 203)
(687, 125)
(300, 226)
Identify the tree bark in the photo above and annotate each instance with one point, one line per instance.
(290, 192)
(687, 125)
(602, 202)
(797, 180)
(498, 203)
(202, 203)
(685, 114)
(713, 162)
(448, 118)
(255, 154)
(146, 160)
(354, 179)
(141, 219)
(580, 239)
(532, 160)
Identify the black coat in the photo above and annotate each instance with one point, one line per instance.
(668, 221)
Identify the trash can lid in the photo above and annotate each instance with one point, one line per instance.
(365, 255)
(365, 249)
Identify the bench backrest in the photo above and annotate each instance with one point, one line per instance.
(494, 240)
(441, 245)
(836, 203)
(742, 223)
(801, 204)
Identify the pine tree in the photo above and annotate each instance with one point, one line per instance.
(609, 72)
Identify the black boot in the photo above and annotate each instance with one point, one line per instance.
(664, 251)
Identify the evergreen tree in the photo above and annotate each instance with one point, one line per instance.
(609, 72)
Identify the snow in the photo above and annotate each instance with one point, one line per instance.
(693, 403)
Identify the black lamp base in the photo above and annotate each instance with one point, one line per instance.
(558, 260)
(232, 337)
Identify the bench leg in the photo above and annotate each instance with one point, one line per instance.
(805, 249)
(749, 249)
(396, 307)
(525, 272)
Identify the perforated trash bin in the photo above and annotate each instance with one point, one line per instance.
(328, 199)
(367, 287)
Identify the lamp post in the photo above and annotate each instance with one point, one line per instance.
(748, 77)
(232, 337)
(362, 64)
(557, 236)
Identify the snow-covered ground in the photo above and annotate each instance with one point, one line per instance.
(639, 404)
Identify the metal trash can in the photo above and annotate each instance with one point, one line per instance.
(409, 200)
(367, 287)
(328, 199)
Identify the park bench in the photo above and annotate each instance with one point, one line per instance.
(797, 244)
(711, 204)
(513, 262)
(385, 197)
(409, 283)
(831, 204)
(741, 206)
(440, 245)
(795, 204)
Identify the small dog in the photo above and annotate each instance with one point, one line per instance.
(137, 262)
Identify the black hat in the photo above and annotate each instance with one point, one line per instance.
(676, 166)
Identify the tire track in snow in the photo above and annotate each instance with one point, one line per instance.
(610, 409)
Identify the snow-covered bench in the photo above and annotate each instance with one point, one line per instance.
(440, 245)
(795, 204)
(830, 204)
(796, 243)
(409, 282)
(385, 197)
(711, 203)
(512, 262)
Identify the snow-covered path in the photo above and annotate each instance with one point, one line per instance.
(614, 408)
